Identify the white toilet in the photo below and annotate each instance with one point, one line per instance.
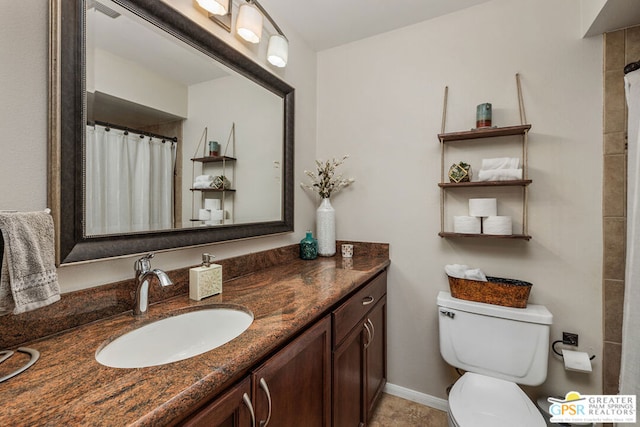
(498, 347)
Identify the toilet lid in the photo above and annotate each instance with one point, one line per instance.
(482, 401)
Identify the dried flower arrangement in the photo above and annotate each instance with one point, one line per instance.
(324, 181)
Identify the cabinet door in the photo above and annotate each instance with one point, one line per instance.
(232, 409)
(376, 355)
(348, 380)
(293, 388)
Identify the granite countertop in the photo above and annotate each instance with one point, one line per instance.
(67, 386)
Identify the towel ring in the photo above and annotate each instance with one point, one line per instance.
(35, 355)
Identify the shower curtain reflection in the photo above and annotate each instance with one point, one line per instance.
(129, 182)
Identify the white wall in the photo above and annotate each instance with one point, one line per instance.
(380, 100)
(23, 147)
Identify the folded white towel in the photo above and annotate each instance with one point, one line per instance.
(475, 274)
(28, 279)
(500, 163)
(204, 178)
(202, 184)
(456, 270)
(499, 174)
(462, 271)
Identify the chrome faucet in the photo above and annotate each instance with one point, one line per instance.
(143, 275)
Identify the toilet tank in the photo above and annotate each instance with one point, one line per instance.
(501, 342)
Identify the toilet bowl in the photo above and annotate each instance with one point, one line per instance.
(482, 401)
(499, 348)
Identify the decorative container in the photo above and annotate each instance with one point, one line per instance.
(460, 172)
(326, 228)
(214, 149)
(221, 183)
(496, 290)
(483, 115)
(309, 247)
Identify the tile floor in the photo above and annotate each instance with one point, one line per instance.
(394, 411)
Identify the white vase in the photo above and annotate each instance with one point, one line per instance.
(326, 228)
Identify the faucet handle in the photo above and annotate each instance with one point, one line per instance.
(143, 264)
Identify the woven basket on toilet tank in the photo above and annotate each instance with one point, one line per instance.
(496, 290)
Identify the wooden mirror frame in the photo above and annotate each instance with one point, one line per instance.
(67, 120)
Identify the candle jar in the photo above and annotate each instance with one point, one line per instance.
(214, 149)
(483, 115)
(308, 247)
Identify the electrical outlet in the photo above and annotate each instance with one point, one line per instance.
(569, 338)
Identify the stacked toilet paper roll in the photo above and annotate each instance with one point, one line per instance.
(217, 215)
(466, 224)
(497, 225)
(483, 207)
(483, 218)
(212, 204)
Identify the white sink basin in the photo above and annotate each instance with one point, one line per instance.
(175, 338)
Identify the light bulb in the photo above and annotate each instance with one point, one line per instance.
(278, 50)
(214, 7)
(249, 23)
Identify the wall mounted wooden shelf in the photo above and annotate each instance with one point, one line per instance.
(485, 236)
(213, 190)
(512, 183)
(211, 159)
(519, 133)
(492, 132)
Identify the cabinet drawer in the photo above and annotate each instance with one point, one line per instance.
(349, 314)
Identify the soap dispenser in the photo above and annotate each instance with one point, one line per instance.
(206, 280)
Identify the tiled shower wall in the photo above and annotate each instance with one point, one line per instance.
(620, 48)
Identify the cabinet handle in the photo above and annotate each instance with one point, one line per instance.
(370, 336)
(263, 386)
(247, 402)
(373, 329)
(368, 300)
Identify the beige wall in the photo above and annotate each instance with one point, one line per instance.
(380, 100)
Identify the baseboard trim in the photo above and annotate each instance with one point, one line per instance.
(415, 396)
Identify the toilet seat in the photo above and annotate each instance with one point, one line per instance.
(480, 401)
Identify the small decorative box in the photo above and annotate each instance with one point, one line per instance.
(460, 172)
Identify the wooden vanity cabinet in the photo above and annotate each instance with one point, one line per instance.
(331, 375)
(359, 354)
(233, 409)
(293, 388)
(290, 389)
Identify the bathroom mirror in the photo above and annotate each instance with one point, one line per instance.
(226, 97)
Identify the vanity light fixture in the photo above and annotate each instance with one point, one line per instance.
(215, 7)
(278, 50)
(249, 23)
(219, 11)
(249, 27)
